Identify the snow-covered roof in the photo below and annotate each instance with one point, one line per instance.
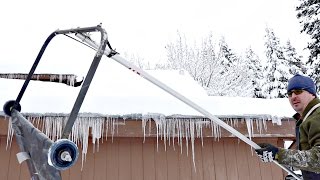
(115, 90)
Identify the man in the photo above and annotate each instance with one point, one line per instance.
(303, 99)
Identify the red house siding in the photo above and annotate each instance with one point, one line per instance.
(130, 158)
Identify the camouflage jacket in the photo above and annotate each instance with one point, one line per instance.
(307, 157)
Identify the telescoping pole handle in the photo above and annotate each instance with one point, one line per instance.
(177, 95)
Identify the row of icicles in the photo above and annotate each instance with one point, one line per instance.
(167, 129)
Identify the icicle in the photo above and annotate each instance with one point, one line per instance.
(212, 128)
(180, 129)
(192, 133)
(160, 123)
(249, 127)
(165, 123)
(259, 126)
(236, 122)
(71, 80)
(215, 129)
(168, 132)
(144, 123)
(97, 130)
(103, 128)
(107, 121)
(60, 78)
(174, 134)
(276, 119)
(113, 128)
(265, 124)
(199, 125)
(157, 132)
(167, 129)
(150, 127)
(83, 124)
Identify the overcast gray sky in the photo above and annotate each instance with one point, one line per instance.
(143, 27)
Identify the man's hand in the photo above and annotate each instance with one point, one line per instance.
(267, 153)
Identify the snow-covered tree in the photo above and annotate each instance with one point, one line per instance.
(137, 60)
(255, 72)
(234, 82)
(199, 61)
(179, 54)
(276, 70)
(294, 60)
(308, 14)
(226, 57)
(232, 78)
(316, 75)
(205, 56)
(220, 73)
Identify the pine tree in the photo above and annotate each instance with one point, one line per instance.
(226, 56)
(276, 69)
(296, 66)
(308, 14)
(232, 78)
(255, 72)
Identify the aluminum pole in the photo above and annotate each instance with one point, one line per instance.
(182, 98)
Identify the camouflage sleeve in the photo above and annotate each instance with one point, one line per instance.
(308, 160)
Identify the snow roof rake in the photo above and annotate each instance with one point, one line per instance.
(104, 48)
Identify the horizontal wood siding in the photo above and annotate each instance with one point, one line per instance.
(133, 159)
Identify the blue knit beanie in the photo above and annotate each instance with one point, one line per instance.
(302, 82)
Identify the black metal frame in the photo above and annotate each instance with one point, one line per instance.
(30, 139)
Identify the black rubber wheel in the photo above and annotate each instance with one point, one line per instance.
(9, 105)
(55, 151)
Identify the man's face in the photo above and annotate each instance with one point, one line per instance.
(299, 99)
